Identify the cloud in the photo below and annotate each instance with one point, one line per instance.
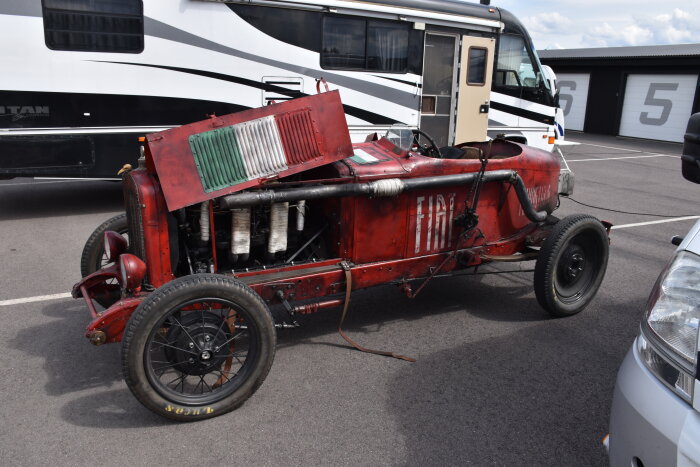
(607, 36)
(554, 46)
(547, 23)
(676, 27)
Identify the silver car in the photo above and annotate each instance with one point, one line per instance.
(655, 419)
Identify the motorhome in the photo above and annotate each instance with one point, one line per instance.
(83, 79)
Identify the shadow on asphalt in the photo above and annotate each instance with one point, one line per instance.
(73, 365)
(443, 295)
(474, 401)
(114, 408)
(42, 199)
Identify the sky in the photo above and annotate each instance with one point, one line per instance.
(572, 24)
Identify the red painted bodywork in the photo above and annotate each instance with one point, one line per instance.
(155, 227)
(169, 154)
(113, 320)
(115, 244)
(385, 239)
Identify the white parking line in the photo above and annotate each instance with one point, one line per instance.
(49, 180)
(639, 224)
(617, 158)
(36, 183)
(39, 298)
(610, 147)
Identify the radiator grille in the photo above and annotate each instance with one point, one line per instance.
(133, 217)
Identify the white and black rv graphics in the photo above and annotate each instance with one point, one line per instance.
(83, 79)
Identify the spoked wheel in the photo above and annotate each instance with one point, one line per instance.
(95, 258)
(571, 265)
(198, 347)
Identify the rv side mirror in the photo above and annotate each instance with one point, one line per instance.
(551, 78)
(691, 150)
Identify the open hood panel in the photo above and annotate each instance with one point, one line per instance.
(222, 155)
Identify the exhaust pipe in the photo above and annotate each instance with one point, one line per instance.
(386, 187)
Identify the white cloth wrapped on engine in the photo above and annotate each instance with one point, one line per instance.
(279, 219)
(204, 221)
(301, 213)
(240, 231)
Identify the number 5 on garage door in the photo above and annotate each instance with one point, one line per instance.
(657, 106)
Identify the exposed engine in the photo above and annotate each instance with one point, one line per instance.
(246, 238)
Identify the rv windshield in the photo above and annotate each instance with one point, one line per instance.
(516, 66)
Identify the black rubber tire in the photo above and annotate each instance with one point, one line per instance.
(147, 320)
(571, 265)
(91, 260)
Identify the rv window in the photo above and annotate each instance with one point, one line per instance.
(387, 46)
(296, 27)
(514, 66)
(343, 43)
(476, 68)
(94, 25)
(364, 45)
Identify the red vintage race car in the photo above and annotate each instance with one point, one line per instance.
(274, 206)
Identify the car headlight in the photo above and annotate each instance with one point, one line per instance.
(114, 245)
(132, 271)
(669, 345)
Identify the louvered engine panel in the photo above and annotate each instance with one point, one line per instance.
(298, 137)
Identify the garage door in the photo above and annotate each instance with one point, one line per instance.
(658, 106)
(573, 97)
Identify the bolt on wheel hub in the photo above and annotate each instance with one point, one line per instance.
(198, 345)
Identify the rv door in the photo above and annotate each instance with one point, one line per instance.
(439, 87)
(476, 70)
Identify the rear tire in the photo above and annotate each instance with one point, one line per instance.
(571, 265)
(180, 344)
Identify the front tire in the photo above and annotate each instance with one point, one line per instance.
(198, 347)
(571, 265)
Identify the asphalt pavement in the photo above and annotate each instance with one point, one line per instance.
(496, 382)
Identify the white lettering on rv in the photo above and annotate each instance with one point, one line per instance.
(21, 111)
(438, 222)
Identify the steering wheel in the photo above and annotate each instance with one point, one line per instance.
(431, 149)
